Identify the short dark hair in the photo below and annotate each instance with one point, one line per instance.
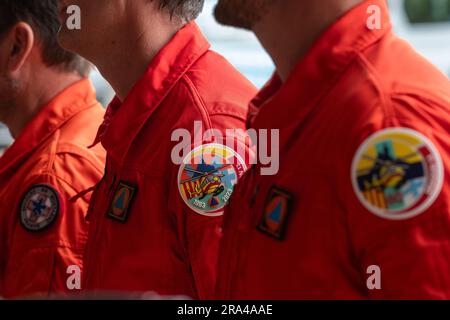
(187, 10)
(42, 16)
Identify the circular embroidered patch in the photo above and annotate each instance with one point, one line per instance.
(397, 173)
(39, 208)
(207, 177)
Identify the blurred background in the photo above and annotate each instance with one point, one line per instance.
(424, 23)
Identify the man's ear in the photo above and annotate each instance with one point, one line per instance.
(19, 42)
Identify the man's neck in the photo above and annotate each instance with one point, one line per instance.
(290, 29)
(124, 63)
(35, 96)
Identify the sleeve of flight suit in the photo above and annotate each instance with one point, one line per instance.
(3, 246)
(51, 231)
(398, 202)
(202, 231)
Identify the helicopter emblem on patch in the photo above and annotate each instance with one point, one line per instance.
(397, 173)
(207, 177)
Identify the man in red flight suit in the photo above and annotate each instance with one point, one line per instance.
(154, 223)
(50, 108)
(360, 207)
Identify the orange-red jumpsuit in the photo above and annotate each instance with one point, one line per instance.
(154, 223)
(42, 233)
(361, 205)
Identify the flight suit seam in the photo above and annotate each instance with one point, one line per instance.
(384, 93)
(398, 94)
(53, 149)
(80, 152)
(198, 101)
(53, 174)
(231, 114)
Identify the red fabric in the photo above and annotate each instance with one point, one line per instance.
(352, 83)
(163, 246)
(51, 150)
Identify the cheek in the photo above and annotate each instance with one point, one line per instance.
(6, 100)
(97, 17)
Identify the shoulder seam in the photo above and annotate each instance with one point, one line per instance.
(85, 153)
(48, 173)
(384, 95)
(198, 100)
(53, 150)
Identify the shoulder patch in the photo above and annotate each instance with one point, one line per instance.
(397, 173)
(39, 208)
(207, 177)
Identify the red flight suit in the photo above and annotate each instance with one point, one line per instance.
(360, 207)
(144, 236)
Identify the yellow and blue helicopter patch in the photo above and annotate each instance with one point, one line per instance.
(207, 177)
(397, 173)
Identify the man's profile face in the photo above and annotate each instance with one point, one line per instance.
(242, 13)
(99, 21)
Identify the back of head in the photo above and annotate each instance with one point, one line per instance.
(43, 18)
(186, 10)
